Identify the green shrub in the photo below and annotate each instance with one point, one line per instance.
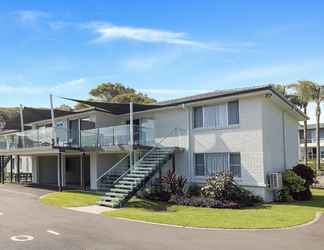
(292, 184)
(308, 175)
(222, 187)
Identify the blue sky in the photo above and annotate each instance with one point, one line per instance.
(163, 48)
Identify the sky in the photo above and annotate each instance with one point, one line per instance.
(166, 49)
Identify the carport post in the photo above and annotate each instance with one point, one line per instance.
(18, 168)
(2, 169)
(11, 168)
(59, 179)
(82, 184)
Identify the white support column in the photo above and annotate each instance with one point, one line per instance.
(131, 134)
(93, 170)
(53, 119)
(63, 170)
(35, 171)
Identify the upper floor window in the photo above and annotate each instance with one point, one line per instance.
(216, 116)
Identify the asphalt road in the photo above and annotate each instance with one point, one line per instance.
(21, 213)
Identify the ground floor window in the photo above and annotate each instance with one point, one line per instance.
(207, 164)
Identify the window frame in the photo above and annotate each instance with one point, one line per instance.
(229, 165)
(203, 120)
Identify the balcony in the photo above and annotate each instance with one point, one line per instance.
(117, 136)
(35, 139)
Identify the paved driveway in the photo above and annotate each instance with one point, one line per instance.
(55, 228)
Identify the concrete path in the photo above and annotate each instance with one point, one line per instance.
(26, 224)
(94, 209)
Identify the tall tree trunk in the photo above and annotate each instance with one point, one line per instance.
(318, 145)
(305, 137)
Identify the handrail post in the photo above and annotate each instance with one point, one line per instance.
(97, 137)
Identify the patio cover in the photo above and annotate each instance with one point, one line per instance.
(116, 108)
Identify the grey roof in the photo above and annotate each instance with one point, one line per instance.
(117, 108)
(214, 94)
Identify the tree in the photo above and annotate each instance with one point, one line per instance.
(302, 95)
(318, 97)
(65, 107)
(118, 93)
(281, 88)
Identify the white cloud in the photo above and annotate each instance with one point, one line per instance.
(30, 16)
(59, 88)
(108, 32)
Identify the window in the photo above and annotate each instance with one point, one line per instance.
(207, 164)
(216, 116)
(233, 113)
(199, 164)
(235, 164)
(198, 117)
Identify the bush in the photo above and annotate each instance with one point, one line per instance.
(285, 196)
(293, 182)
(175, 184)
(222, 187)
(202, 202)
(308, 175)
(194, 190)
(293, 186)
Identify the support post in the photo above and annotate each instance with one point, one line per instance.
(53, 120)
(12, 161)
(82, 180)
(18, 169)
(59, 177)
(131, 134)
(22, 125)
(173, 163)
(2, 169)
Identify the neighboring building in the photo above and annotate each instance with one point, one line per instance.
(311, 141)
(251, 132)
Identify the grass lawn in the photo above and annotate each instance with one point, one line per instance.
(70, 199)
(265, 216)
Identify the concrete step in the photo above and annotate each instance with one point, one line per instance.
(111, 198)
(108, 204)
(115, 194)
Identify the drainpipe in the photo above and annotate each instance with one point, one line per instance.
(284, 140)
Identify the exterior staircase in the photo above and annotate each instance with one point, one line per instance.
(134, 179)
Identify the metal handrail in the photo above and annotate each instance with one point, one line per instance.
(146, 154)
(112, 168)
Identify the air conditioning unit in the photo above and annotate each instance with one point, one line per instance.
(275, 181)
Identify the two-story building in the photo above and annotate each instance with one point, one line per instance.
(311, 141)
(250, 132)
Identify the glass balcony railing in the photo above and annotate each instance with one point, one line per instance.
(34, 138)
(116, 136)
(99, 137)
